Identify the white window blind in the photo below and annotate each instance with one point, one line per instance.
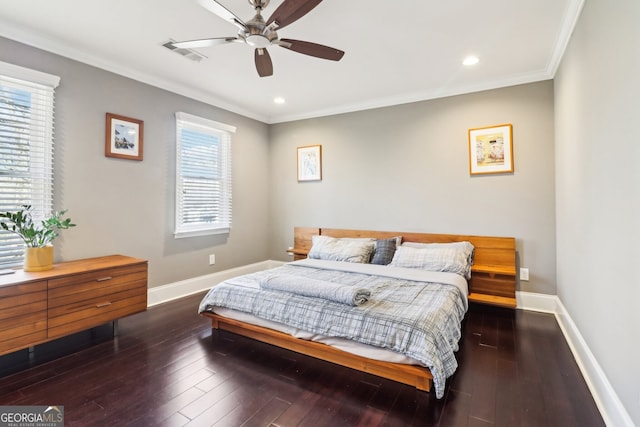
(203, 176)
(26, 149)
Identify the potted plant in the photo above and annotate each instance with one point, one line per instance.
(37, 236)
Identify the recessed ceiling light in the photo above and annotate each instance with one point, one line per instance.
(470, 60)
(278, 100)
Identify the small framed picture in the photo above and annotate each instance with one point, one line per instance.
(491, 150)
(310, 163)
(123, 137)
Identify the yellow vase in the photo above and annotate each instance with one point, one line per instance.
(38, 259)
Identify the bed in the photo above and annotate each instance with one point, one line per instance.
(364, 299)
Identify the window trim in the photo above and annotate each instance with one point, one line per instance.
(207, 126)
(27, 74)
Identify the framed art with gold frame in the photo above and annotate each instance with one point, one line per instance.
(491, 150)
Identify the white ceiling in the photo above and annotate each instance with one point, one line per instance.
(396, 51)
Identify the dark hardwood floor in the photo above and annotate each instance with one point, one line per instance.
(166, 368)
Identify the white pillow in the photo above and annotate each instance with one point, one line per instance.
(348, 249)
(456, 257)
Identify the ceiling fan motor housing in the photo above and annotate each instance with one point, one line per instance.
(259, 4)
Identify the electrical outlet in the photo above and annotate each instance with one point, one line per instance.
(212, 259)
(524, 274)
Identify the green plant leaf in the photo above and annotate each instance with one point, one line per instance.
(34, 235)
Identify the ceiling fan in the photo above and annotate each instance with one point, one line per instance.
(261, 34)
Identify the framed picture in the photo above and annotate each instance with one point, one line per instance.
(491, 150)
(310, 163)
(123, 137)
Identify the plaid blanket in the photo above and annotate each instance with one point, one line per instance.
(407, 312)
(350, 295)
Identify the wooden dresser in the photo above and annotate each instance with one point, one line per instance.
(73, 296)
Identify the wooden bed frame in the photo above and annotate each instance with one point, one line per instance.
(493, 280)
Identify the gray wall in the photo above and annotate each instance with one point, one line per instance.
(127, 207)
(597, 104)
(405, 168)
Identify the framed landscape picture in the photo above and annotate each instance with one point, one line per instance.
(491, 150)
(310, 163)
(123, 137)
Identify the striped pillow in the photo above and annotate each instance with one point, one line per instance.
(454, 257)
(334, 249)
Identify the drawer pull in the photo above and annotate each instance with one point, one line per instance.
(104, 304)
(104, 279)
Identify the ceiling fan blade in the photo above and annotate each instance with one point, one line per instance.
(290, 11)
(224, 13)
(191, 44)
(263, 62)
(312, 49)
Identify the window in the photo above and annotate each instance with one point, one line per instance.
(203, 176)
(26, 149)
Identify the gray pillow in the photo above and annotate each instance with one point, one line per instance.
(383, 251)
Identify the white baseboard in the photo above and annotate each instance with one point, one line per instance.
(537, 302)
(611, 408)
(183, 288)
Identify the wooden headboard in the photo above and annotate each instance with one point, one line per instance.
(493, 274)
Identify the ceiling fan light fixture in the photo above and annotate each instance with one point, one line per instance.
(257, 41)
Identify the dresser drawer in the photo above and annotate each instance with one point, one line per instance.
(92, 287)
(23, 331)
(90, 316)
(23, 315)
(93, 279)
(86, 300)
